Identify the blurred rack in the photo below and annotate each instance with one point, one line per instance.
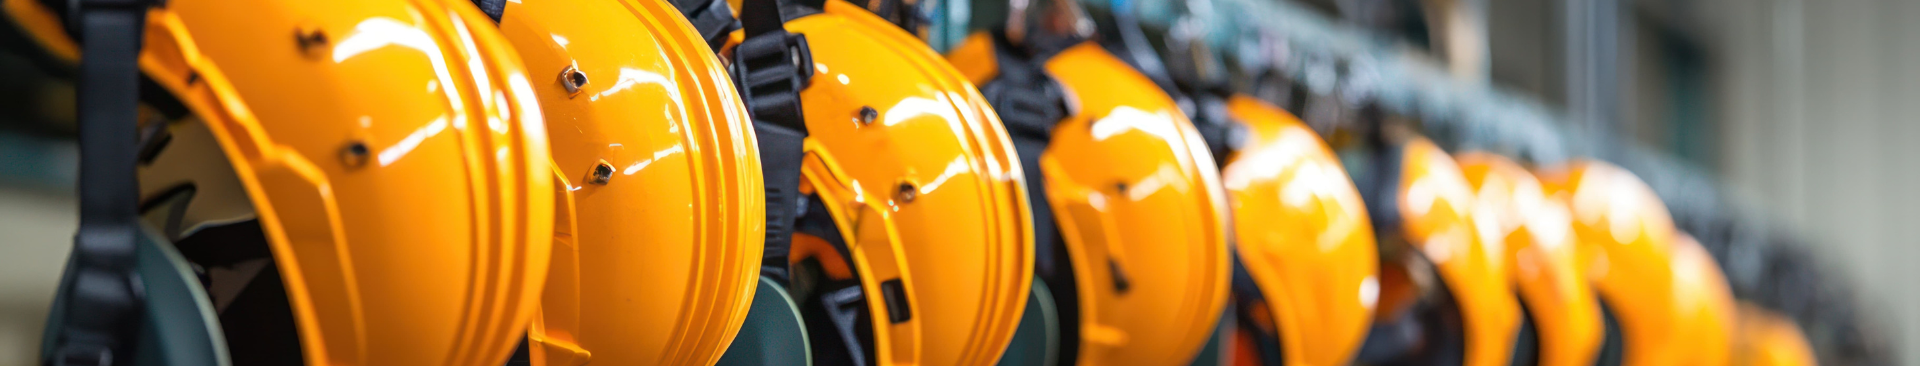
(1766, 264)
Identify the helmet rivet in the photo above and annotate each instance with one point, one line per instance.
(355, 154)
(868, 115)
(907, 193)
(573, 79)
(1120, 187)
(309, 38)
(601, 173)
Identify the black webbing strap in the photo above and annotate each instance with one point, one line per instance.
(104, 294)
(493, 8)
(901, 13)
(770, 68)
(712, 18)
(1216, 125)
(1029, 102)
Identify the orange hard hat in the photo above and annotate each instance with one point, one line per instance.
(1562, 324)
(662, 213)
(364, 182)
(1671, 300)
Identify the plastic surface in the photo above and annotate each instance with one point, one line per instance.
(1541, 255)
(1672, 301)
(928, 192)
(1435, 203)
(1303, 235)
(657, 264)
(1135, 191)
(426, 244)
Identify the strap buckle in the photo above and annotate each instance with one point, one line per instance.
(771, 69)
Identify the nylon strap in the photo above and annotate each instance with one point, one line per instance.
(104, 294)
(493, 8)
(770, 68)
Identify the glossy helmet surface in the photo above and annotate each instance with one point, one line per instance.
(1548, 276)
(1671, 299)
(658, 246)
(925, 196)
(391, 152)
(1139, 208)
(1303, 235)
(1766, 338)
(1470, 316)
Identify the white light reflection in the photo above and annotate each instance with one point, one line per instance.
(630, 77)
(413, 140)
(1123, 119)
(954, 168)
(913, 107)
(377, 33)
(657, 155)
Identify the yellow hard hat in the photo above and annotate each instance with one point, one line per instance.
(1445, 296)
(1563, 324)
(662, 210)
(910, 241)
(1132, 242)
(1671, 300)
(1766, 338)
(1303, 237)
(381, 165)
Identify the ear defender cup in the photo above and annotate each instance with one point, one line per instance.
(180, 326)
(773, 335)
(1037, 341)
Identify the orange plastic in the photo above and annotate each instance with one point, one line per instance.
(929, 193)
(1672, 301)
(1435, 204)
(1304, 235)
(1134, 188)
(662, 258)
(1767, 338)
(429, 251)
(1541, 256)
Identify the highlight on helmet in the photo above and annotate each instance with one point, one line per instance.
(1445, 294)
(662, 213)
(356, 182)
(1766, 338)
(1306, 247)
(896, 186)
(1561, 321)
(1670, 299)
(1131, 239)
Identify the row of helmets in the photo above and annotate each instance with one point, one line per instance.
(640, 182)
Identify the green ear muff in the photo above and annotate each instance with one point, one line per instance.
(772, 334)
(1037, 341)
(179, 327)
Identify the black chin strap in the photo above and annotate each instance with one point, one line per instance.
(771, 67)
(104, 295)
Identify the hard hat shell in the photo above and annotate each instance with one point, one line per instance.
(1671, 299)
(1138, 203)
(1434, 201)
(392, 152)
(1766, 338)
(663, 210)
(1303, 235)
(1541, 258)
(926, 192)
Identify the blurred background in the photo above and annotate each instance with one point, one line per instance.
(1775, 129)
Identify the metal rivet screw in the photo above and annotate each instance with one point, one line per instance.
(1120, 187)
(309, 38)
(355, 154)
(193, 77)
(907, 193)
(602, 173)
(868, 115)
(573, 79)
